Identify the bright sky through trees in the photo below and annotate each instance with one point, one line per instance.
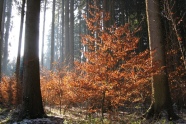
(14, 33)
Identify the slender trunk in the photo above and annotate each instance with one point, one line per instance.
(112, 13)
(62, 35)
(79, 50)
(43, 34)
(1, 32)
(52, 36)
(19, 45)
(86, 28)
(5, 50)
(57, 38)
(71, 38)
(19, 73)
(66, 42)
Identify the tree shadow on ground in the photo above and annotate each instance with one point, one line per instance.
(10, 115)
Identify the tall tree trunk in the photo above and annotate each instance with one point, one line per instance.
(57, 38)
(161, 99)
(19, 66)
(32, 106)
(1, 32)
(112, 12)
(86, 27)
(79, 43)
(5, 50)
(66, 42)
(71, 36)
(52, 36)
(43, 34)
(19, 45)
(63, 28)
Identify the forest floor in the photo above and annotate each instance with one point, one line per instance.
(8, 115)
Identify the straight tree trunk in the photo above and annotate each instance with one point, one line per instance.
(1, 33)
(43, 34)
(5, 50)
(19, 67)
(79, 45)
(161, 99)
(63, 29)
(71, 36)
(19, 45)
(57, 45)
(66, 42)
(112, 13)
(85, 47)
(32, 106)
(52, 36)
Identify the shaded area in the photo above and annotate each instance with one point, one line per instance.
(10, 116)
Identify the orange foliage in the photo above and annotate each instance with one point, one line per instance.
(113, 73)
(10, 91)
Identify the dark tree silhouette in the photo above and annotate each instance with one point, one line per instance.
(32, 106)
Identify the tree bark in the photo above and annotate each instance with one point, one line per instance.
(32, 106)
(1, 32)
(161, 99)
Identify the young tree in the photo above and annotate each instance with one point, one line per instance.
(161, 99)
(32, 106)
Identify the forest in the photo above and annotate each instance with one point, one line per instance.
(92, 61)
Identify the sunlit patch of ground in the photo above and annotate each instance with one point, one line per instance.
(77, 115)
